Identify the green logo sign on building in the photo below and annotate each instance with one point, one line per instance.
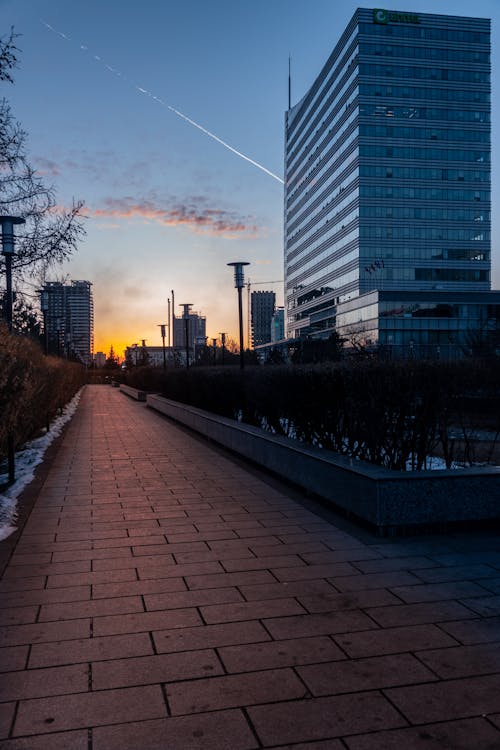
(392, 16)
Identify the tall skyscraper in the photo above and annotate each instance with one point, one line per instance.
(68, 311)
(262, 306)
(387, 189)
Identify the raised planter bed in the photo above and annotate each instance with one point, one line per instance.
(383, 498)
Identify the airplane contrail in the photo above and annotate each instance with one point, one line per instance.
(177, 112)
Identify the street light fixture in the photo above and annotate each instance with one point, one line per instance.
(162, 329)
(185, 317)
(239, 283)
(8, 223)
(223, 342)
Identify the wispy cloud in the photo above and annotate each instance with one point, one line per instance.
(194, 213)
(46, 166)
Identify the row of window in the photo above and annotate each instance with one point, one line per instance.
(405, 31)
(416, 193)
(450, 274)
(424, 53)
(407, 252)
(426, 154)
(425, 74)
(429, 214)
(432, 134)
(424, 173)
(422, 233)
(423, 92)
(424, 113)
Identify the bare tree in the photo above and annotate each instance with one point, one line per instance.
(51, 233)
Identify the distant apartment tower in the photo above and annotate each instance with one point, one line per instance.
(68, 312)
(197, 327)
(387, 185)
(262, 306)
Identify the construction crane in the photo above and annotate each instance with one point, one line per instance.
(249, 284)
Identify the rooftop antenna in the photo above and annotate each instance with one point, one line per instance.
(289, 83)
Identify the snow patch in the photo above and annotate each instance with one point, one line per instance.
(27, 459)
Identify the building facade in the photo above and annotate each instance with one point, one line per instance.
(278, 325)
(262, 306)
(197, 333)
(68, 313)
(387, 177)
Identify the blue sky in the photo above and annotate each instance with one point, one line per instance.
(168, 207)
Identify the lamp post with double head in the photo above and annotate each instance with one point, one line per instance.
(239, 283)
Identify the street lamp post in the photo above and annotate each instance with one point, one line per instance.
(239, 283)
(185, 316)
(214, 344)
(162, 329)
(223, 342)
(8, 223)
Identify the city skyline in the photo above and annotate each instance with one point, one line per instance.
(104, 94)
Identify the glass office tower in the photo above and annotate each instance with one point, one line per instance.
(387, 183)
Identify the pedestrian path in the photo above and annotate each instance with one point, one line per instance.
(165, 596)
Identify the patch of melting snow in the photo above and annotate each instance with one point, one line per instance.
(27, 459)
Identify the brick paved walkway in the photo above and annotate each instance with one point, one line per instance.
(163, 596)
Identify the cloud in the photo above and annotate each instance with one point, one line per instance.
(46, 166)
(194, 213)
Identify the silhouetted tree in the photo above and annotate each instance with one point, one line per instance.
(112, 362)
(50, 234)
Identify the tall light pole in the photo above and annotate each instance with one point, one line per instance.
(162, 329)
(185, 316)
(8, 223)
(214, 344)
(239, 283)
(223, 342)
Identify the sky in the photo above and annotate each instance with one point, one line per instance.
(103, 90)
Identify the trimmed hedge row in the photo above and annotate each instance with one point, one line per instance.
(393, 414)
(33, 388)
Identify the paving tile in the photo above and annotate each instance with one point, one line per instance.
(452, 699)
(385, 564)
(221, 730)
(283, 589)
(273, 654)
(384, 580)
(353, 675)
(333, 602)
(209, 636)
(38, 683)
(303, 573)
(174, 600)
(456, 735)
(160, 668)
(218, 580)
(484, 605)
(430, 592)
(13, 658)
(323, 718)
(463, 661)
(45, 596)
(90, 649)
(145, 621)
(22, 584)
(61, 741)
(7, 711)
(43, 715)
(232, 691)
(262, 563)
(175, 571)
(457, 573)
(393, 640)
(133, 588)
(91, 608)
(474, 631)
(318, 624)
(75, 579)
(250, 610)
(18, 615)
(416, 614)
(15, 635)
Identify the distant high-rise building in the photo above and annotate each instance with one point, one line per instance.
(99, 359)
(197, 326)
(68, 311)
(278, 325)
(387, 185)
(262, 305)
